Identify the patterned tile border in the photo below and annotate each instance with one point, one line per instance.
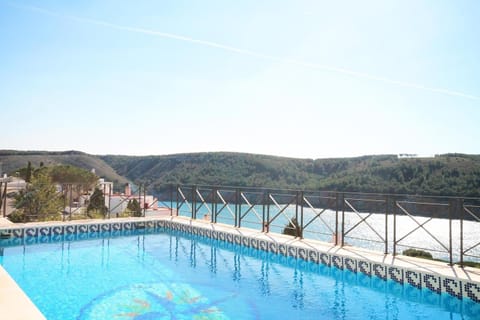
(289, 253)
(395, 274)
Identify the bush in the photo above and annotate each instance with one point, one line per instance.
(134, 207)
(470, 264)
(292, 228)
(97, 203)
(40, 200)
(16, 216)
(417, 253)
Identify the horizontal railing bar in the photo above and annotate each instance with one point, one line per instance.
(273, 189)
(424, 203)
(369, 200)
(363, 239)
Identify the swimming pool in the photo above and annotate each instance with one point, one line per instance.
(170, 274)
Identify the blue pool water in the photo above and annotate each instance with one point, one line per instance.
(172, 275)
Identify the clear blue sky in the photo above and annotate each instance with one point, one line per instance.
(292, 78)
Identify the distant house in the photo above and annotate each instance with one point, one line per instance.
(105, 186)
(414, 155)
(118, 202)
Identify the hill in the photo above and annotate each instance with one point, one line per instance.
(12, 160)
(442, 175)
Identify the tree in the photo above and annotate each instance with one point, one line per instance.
(28, 174)
(97, 202)
(70, 174)
(39, 201)
(134, 207)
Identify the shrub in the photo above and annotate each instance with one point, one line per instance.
(417, 253)
(292, 228)
(16, 216)
(470, 264)
(134, 207)
(40, 200)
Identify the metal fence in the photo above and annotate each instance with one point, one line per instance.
(26, 203)
(446, 227)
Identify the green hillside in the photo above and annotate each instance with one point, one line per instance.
(445, 175)
(12, 161)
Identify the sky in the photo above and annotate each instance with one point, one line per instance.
(296, 78)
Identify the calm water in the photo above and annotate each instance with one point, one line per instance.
(172, 275)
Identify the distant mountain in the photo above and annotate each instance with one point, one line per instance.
(12, 160)
(443, 175)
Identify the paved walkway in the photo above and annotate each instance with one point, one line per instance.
(14, 303)
(4, 222)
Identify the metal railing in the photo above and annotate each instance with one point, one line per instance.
(447, 227)
(383, 222)
(71, 202)
(470, 209)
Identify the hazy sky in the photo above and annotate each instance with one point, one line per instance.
(293, 78)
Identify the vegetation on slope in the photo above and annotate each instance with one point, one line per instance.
(12, 161)
(445, 175)
(40, 200)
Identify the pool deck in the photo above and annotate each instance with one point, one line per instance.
(4, 222)
(15, 304)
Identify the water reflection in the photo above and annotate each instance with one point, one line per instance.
(304, 284)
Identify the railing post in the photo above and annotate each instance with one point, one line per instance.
(452, 205)
(394, 226)
(264, 223)
(109, 201)
(301, 213)
(213, 218)
(335, 240)
(342, 240)
(176, 196)
(194, 202)
(462, 203)
(70, 202)
(238, 209)
(171, 200)
(297, 231)
(139, 195)
(267, 199)
(144, 201)
(386, 223)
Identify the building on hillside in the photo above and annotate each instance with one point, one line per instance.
(414, 155)
(105, 186)
(118, 202)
